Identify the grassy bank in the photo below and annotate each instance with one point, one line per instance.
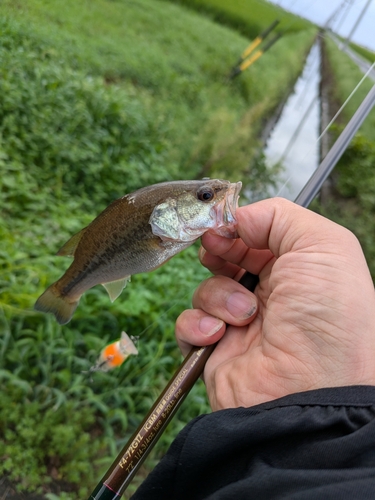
(177, 63)
(97, 99)
(353, 195)
(249, 17)
(362, 51)
(345, 76)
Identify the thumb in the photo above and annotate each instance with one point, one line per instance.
(282, 226)
(275, 227)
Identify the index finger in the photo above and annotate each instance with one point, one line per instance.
(219, 260)
(272, 228)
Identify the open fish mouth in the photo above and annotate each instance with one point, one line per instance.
(225, 212)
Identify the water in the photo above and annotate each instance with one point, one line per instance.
(293, 140)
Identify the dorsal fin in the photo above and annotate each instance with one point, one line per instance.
(70, 246)
(114, 288)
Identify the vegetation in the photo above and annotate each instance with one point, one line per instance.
(362, 51)
(353, 200)
(250, 17)
(97, 99)
(345, 77)
(128, 43)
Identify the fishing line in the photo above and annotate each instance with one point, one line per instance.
(137, 338)
(155, 322)
(347, 100)
(311, 68)
(309, 82)
(348, 6)
(96, 367)
(174, 304)
(189, 291)
(328, 126)
(298, 130)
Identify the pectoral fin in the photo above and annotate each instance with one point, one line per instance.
(164, 221)
(70, 246)
(114, 288)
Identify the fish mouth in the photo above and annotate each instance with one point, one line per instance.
(225, 212)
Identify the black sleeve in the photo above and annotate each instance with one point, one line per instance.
(311, 445)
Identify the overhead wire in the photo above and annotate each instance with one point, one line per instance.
(349, 5)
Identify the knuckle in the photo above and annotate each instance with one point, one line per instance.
(220, 386)
(206, 289)
(182, 321)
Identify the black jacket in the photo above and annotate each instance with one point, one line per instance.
(312, 445)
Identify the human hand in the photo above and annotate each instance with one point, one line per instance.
(310, 323)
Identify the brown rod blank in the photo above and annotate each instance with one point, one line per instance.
(123, 469)
(130, 458)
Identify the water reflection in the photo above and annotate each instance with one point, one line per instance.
(293, 140)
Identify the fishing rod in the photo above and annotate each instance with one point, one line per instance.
(128, 461)
(123, 469)
(316, 181)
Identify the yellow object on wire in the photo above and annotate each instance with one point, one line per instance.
(258, 40)
(254, 44)
(246, 61)
(245, 64)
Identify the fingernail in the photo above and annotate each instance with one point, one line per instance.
(201, 253)
(240, 305)
(210, 325)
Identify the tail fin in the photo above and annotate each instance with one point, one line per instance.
(51, 301)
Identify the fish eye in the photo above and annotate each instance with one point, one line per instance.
(205, 194)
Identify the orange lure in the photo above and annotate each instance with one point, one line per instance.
(113, 355)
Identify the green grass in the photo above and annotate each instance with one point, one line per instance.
(97, 99)
(352, 203)
(362, 51)
(250, 17)
(175, 61)
(346, 76)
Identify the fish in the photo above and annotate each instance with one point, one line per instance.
(113, 355)
(138, 233)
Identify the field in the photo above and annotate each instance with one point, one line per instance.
(98, 99)
(248, 17)
(362, 51)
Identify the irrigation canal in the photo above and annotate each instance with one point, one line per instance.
(293, 140)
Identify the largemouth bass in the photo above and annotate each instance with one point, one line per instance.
(138, 233)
